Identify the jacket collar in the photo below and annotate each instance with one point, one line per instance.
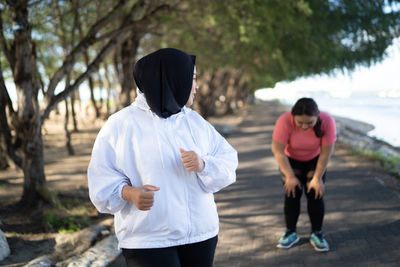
(141, 103)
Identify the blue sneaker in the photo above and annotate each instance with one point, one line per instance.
(317, 239)
(288, 239)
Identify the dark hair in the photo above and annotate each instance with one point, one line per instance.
(307, 106)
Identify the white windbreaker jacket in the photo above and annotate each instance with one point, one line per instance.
(136, 147)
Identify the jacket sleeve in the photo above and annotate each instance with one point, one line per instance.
(105, 180)
(221, 162)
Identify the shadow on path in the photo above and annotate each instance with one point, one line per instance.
(362, 219)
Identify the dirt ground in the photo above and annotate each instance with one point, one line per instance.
(30, 236)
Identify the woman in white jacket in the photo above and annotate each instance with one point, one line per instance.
(156, 164)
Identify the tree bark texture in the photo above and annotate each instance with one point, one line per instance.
(68, 143)
(28, 114)
(128, 54)
(6, 142)
(22, 61)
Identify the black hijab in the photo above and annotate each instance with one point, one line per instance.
(165, 77)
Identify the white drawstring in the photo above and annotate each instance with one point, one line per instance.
(158, 139)
(141, 103)
(190, 128)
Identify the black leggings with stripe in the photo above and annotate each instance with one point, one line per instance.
(199, 254)
(315, 207)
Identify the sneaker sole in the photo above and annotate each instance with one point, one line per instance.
(290, 245)
(317, 248)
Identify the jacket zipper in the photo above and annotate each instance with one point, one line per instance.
(180, 164)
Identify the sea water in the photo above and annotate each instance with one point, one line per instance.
(379, 108)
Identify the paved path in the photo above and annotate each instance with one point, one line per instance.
(362, 217)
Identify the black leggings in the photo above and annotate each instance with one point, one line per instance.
(192, 255)
(315, 207)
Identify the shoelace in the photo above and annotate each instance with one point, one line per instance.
(319, 235)
(288, 233)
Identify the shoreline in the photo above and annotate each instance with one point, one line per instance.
(355, 133)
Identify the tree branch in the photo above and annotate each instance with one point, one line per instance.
(7, 51)
(90, 69)
(88, 40)
(5, 101)
(118, 37)
(11, 3)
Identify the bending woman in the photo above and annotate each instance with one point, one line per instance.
(156, 164)
(303, 141)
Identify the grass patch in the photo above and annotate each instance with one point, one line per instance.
(74, 215)
(390, 163)
(53, 221)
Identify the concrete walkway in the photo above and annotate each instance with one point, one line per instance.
(362, 216)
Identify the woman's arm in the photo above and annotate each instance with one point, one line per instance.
(217, 168)
(283, 161)
(105, 180)
(290, 180)
(316, 183)
(324, 156)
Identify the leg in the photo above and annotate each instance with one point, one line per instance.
(199, 254)
(292, 210)
(156, 257)
(316, 211)
(315, 207)
(291, 207)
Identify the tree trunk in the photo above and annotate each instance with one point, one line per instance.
(232, 92)
(3, 153)
(107, 84)
(6, 145)
(92, 98)
(205, 96)
(118, 74)
(100, 86)
(67, 132)
(73, 113)
(90, 79)
(66, 122)
(214, 86)
(230, 95)
(28, 113)
(128, 54)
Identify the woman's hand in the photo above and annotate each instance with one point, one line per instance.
(142, 197)
(290, 186)
(191, 161)
(318, 187)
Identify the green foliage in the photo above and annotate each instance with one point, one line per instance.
(276, 40)
(267, 40)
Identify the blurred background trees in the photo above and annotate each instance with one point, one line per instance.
(59, 53)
